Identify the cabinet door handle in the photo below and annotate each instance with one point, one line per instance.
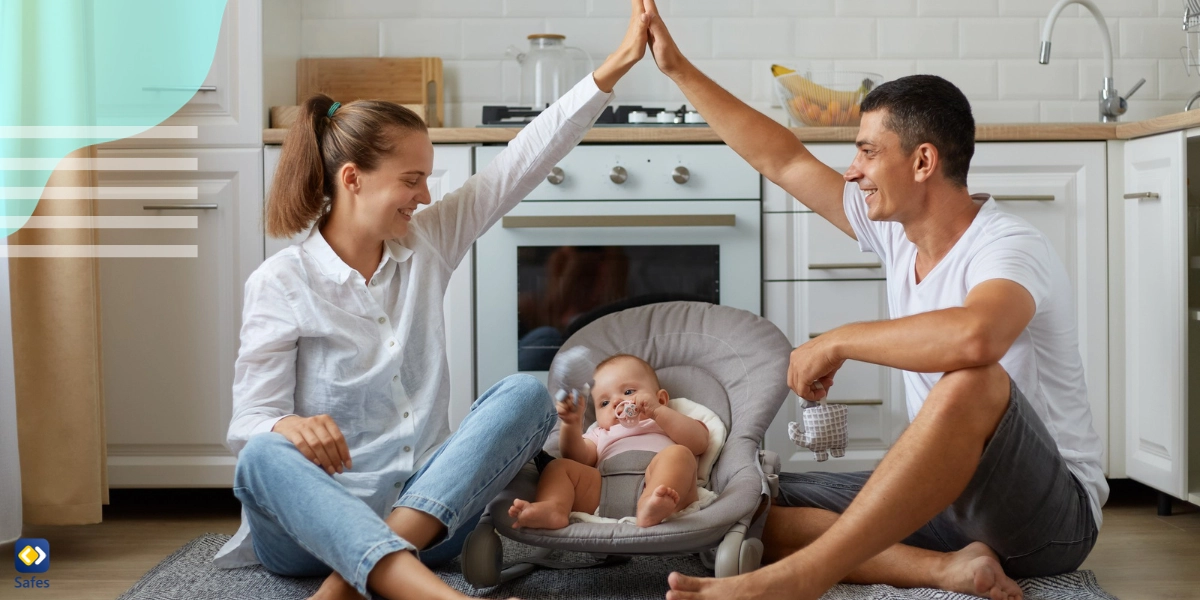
(861, 402)
(823, 266)
(1024, 198)
(621, 221)
(180, 207)
(179, 88)
(1140, 195)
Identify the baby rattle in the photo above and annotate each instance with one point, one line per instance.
(572, 369)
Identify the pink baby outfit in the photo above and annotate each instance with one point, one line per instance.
(646, 435)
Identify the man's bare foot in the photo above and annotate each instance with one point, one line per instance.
(336, 588)
(976, 570)
(771, 581)
(537, 515)
(658, 506)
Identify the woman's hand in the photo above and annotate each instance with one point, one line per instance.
(666, 54)
(570, 410)
(631, 50)
(319, 439)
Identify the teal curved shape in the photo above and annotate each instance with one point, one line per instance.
(91, 63)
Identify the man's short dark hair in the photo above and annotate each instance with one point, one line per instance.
(927, 108)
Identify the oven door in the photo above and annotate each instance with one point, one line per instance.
(549, 268)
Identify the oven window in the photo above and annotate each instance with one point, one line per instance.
(562, 288)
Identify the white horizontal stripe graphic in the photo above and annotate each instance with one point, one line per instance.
(98, 164)
(97, 131)
(97, 251)
(95, 222)
(99, 193)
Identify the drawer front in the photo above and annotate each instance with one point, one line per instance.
(227, 108)
(805, 309)
(804, 246)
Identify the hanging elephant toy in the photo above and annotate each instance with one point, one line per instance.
(824, 429)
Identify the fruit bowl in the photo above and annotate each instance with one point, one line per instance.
(823, 98)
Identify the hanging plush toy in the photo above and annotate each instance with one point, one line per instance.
(824, 429)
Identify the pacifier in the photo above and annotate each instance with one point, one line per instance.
(628, 413)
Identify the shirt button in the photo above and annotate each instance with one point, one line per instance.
(374, 282)
(397, 485)
(395, 378)
(391, 343)
(407, 449)
(405, 415)
(382, 319)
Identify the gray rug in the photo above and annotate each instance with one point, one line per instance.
(188, 574)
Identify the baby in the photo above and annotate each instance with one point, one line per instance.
(573, 483)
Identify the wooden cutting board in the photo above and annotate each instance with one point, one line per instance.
(400, 80)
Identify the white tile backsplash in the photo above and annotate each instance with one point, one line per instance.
(976, 78)
(835, 38)
(421, 37)
(1028, 80)
(877, 8)
(548, 8)
(750, 38)
(986, 47)
(488, 38)
(918, 38)
(1151, 38)
(957, 8)
(339, 38)
(997, 38)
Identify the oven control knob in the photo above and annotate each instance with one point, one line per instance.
(556, 176)
(618, 175)
(681, 175)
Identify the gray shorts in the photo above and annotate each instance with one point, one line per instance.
(1022, 502)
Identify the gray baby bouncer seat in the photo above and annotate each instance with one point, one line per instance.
(729, 360)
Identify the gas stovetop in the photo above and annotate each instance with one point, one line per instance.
(621, 116)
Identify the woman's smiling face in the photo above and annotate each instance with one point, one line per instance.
(391, 193)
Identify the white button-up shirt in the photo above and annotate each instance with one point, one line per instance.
(316, 339)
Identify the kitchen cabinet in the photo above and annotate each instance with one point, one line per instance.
(1156, 288)
(815, 278)
(452, 165)
(227, 108)
(170, 325)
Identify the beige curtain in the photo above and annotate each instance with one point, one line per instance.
(56, 352)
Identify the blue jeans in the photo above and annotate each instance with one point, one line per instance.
(306, 524)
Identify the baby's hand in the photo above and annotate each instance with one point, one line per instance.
(649, 408)
(570, 410)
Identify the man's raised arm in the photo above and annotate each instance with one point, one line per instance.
(768, 146)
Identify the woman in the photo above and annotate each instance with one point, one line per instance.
(345, 460)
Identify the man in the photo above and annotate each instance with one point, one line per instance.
(998, 475)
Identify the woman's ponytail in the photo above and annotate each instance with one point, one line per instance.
(298, 190)
(316, 147)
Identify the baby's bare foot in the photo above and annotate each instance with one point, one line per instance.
(660, 505)
(537, 515)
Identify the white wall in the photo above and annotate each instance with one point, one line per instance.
(988, 48)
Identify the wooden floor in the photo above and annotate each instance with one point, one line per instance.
(1139, 555)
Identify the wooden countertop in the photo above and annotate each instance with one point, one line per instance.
(1000, 132)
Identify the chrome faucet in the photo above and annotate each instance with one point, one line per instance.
(1192, 100)
(1112, 105)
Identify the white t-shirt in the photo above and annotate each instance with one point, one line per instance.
(1044, 361)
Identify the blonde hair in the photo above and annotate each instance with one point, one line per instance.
(318, 144)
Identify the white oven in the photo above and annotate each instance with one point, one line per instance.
(613, 227)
